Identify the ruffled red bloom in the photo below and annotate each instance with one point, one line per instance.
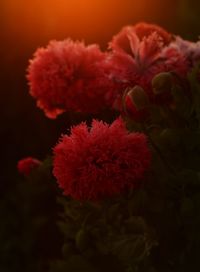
(99, 162)
(144, 29)
(26, 165)
(69, 76)
(140, 52)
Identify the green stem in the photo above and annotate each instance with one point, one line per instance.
(156, 148)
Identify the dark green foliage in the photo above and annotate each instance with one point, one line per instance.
(154, 228)
(28, 230)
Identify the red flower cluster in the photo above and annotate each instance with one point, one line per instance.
(140, 52)
(26, 165)
(69, 76)
(99, 162)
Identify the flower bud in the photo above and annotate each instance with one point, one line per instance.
(136, 104)
(82, 239)
(162, 82)
(27, 165)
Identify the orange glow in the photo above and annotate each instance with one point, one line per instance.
(82, 19)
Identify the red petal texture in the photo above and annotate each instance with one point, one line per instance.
(144, 30)
(101, 161)
(140, 52)
(26, 165)
(69, 76)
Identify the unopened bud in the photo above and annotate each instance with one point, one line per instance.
(136, 104)
(162, 82)
(82, 239)
(27, 165)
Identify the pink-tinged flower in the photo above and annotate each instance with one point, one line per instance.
(101, 161)
(26, 165)
(130, 37)
(191, 50)
(140, 52)
(69, 76)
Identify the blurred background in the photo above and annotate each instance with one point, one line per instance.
(27, 25)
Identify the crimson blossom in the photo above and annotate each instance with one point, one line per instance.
(101, 161)
(140, 52)
(26, 165)
(69, 76)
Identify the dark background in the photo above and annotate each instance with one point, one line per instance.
(26, 25)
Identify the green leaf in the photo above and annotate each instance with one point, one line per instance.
(136, 225)
(68, 229)
(75, 263)
(195, 88)
(170, 138)
(190, 140)
(132, 248)
(67, 250)
(183, 106)
(187, 207)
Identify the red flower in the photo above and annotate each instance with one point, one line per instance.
(26, 165)
(129, 38)
(144, 30)
(69, 76)
(99, 162)
(140, 52)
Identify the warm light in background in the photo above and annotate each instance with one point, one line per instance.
(84, 19)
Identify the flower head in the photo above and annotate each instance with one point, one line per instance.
(69, 76)
(144, 30)
(101, 161)
(26, 165)
(140, 52)
(191, 50)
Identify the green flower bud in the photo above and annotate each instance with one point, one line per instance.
(162, 82)
(139, 97)
(82, 239)
(136, 104)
